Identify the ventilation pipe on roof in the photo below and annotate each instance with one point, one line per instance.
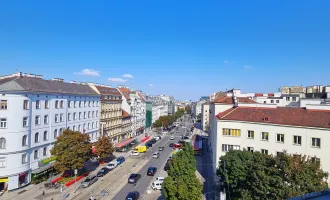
(235, 101)
(58, 79)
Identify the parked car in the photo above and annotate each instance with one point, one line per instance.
(172, 138)
(135, 153)
(133, 178)
(151, 171)
(160, 178)
(149, 144)
(133, 196)
(156, 154)
(171, 145)
(120, 160)
(89, 181)
(141, 149)
(113, 164)
(161, 149)
(103, 172)
(157, 185)
(156, 138)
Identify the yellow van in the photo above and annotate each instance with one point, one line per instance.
(141, 149)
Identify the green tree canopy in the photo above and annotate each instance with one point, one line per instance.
(188, 109)
(168, 120)
(182, 183)
(253, 175)
(104, 147)
(72, 149)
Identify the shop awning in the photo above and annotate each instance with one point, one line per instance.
(3, 180)
(145, 138)
(43, 168)
(124, 143)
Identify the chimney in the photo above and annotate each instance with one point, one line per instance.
(58, 79)
(39, 76)
(73, 81)
(235, 101)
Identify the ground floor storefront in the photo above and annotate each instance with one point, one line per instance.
(13, 182)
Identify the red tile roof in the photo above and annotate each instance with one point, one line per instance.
(258, 95)
(108, 90)
(126, 92)
(229, 100)
(279, 115)
(142, 99)
(271, 94)
(125, 114)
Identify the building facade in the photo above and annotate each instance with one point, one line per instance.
(126, 124)
(205, 116)
(111, 112)
(33, 113)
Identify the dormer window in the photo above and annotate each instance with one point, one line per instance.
(265, 119)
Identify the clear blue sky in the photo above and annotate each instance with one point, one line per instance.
(184, 48)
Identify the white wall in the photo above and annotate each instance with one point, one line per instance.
(205, 115)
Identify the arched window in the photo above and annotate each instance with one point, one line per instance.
(74, 128)
(36, 154)
(24, 141)
(55, 134)
(45, 136)
(61, 131)
(36, 138)
(2, 143)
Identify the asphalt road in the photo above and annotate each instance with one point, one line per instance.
(145, 181)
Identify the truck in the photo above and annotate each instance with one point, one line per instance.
(141, 149)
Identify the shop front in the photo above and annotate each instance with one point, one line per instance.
(3, 185)
(45, 170)
(126, 145)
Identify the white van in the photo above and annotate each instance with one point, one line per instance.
(157, 185)
(161, 179)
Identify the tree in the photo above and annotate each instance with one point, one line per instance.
(199, 117)
(252, 175)
(182, 182)
(188, 109)
(72, 149)
(104, 147)
(165, 121)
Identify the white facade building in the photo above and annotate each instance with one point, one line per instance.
(160, 107)
(33, 113)
(205, 116)
(198, 109)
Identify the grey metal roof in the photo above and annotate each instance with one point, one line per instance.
(31, 84)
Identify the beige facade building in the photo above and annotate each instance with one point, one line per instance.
(127, 124)
(111, 112)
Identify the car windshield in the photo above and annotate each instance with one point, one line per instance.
(132, 176)
(102, 170)
(87, 180)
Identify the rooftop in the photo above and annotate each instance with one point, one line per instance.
(125, 114)
(125, 91)
(280, 115)
(108, 90)
(230, 100)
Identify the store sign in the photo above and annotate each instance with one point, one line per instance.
(46, 161)
(3, 180)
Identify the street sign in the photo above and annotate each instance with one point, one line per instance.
(75, 172)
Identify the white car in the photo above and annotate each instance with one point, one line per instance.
(160, 178)
(135, 153)
(155, 155)
(113, 164)
(157, 185)
(172, 138)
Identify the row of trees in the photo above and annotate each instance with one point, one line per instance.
(72, 149)
(182, 183)
(165, 121)
(253, 175)
(188, 109)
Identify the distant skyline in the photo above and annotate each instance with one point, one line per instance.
(187, 49)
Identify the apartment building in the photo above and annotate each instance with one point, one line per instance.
(33, 113)
(272, 130)
(205, 116)
(126, 124)
(111, 112)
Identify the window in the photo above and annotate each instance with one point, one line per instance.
(85, 104)
(97, 113)
(69, 116)
(231, 132)
(46, 119)
(24, 158)
(93, 125)
(69, 104)
(271, 101)
(36, 154)
(45, 136)
(80, 104)
(228, 147)
(44, 151)
(315, 160)
(74, 116)
(46, 104)
(56, 104)
(26, 105)
(277, 101)
(93, 103)
(79, 127)
(278, 153)
(2, 143)
(61, 118)
(38, 105)
(89, 104)
(3, 123)
(288, 98)
(84, 128)
(25, 121)
(55, 134)
(3, 105)
(56, 118)
(74, 128)
(294, 98)
(89, 114)
(280, 138)
(250, 149)
(316, 142)
(265, 102)
(2, 162)
(61, 131)
(79, 115)
(97, 124)
(37, 120)
(93, 113)
(250, 134)
(36, 137)
(297, 140)
(24, 141)
(75, 104)
(62, 104)
(264, 136)
(89, 126)
(85, 116)
(264, 151)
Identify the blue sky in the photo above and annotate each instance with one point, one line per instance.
(183, 48)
